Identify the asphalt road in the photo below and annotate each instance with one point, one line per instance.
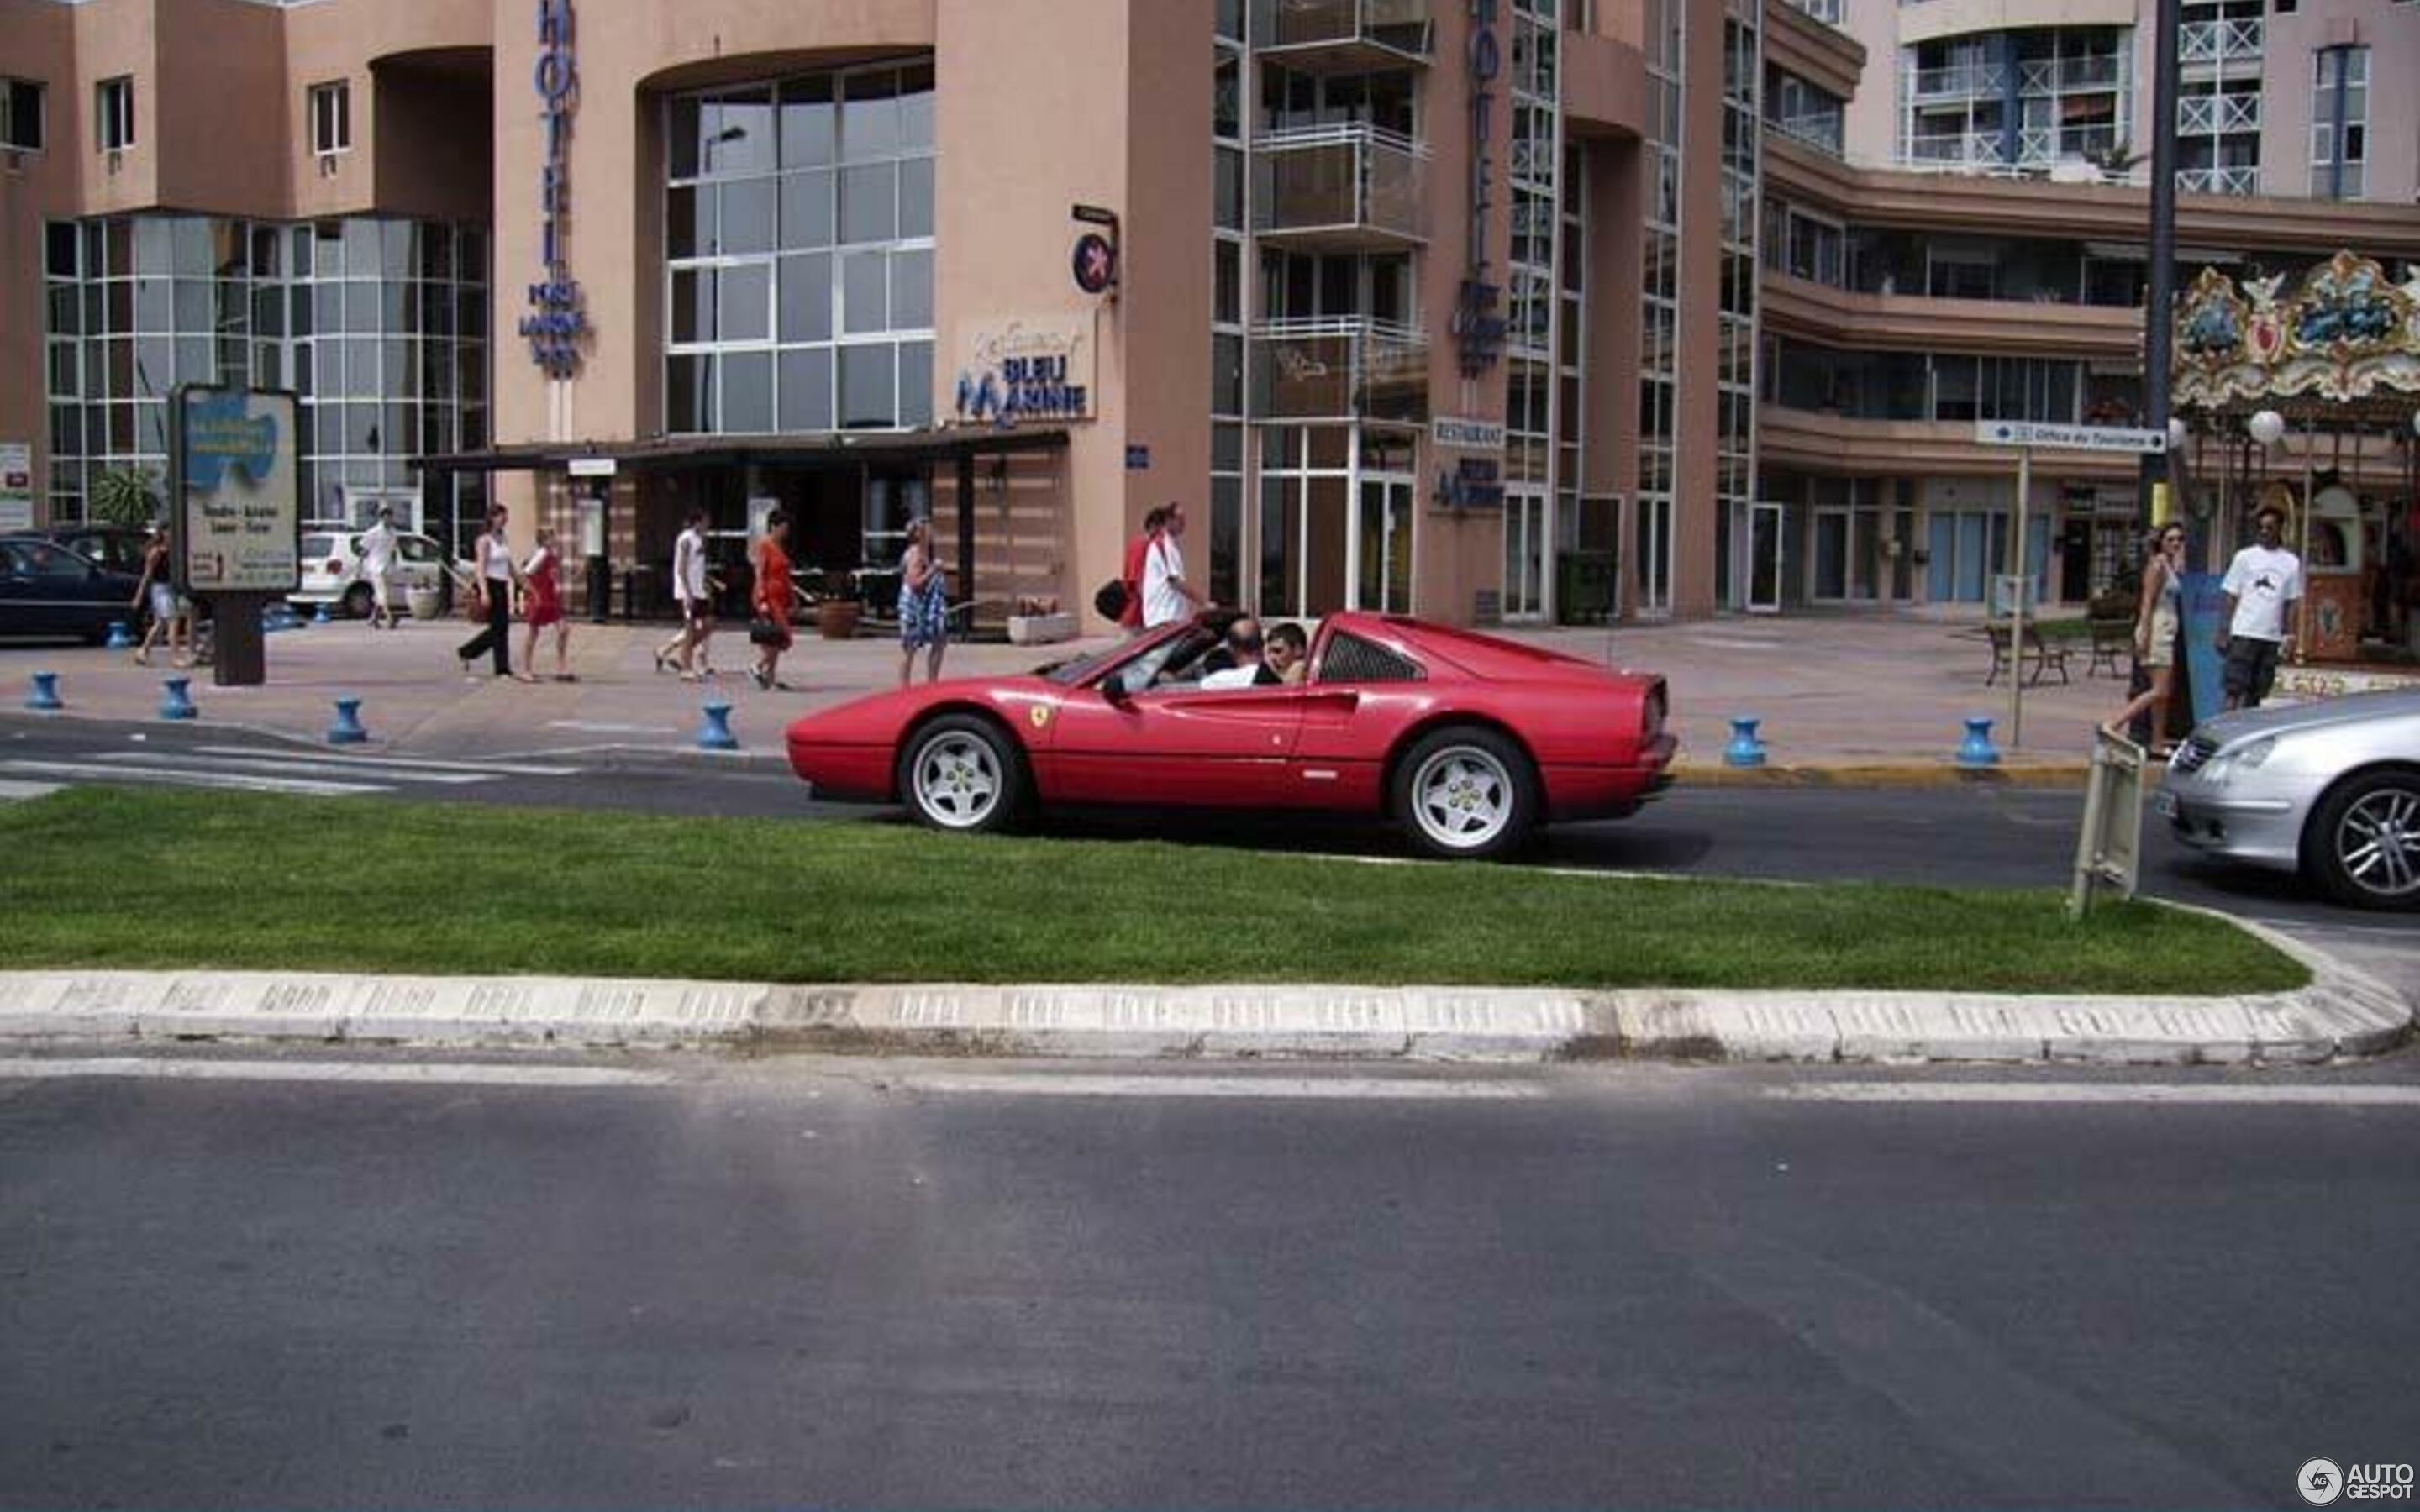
(1954, 835)
(920, 1285)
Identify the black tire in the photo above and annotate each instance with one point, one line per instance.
(964, 773)
(2362, 845)
(1465, 793)
(358, 600)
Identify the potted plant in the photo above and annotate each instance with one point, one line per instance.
(126, 496)
(838, 611)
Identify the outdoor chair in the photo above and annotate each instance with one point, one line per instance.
(2113, 641)
(2042, 658)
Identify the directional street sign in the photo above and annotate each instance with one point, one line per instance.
(2072, 438)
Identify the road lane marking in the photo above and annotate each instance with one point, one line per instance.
(607, 727)
(1355, 1088)
(190, 778)
(408, 1073)
(2014, 1092)
(302, 767)
(414, 763)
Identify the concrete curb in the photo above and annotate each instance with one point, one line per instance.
(2342, 1012)
(1855, 772)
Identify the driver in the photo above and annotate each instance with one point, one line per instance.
(1243, 647)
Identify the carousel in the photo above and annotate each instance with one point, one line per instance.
(2308, 400)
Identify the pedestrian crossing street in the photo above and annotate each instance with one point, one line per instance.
(258, 769)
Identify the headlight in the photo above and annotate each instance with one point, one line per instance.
(2244, 758)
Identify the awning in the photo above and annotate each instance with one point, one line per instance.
(842, 447)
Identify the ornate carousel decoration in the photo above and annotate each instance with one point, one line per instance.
(2346, 334)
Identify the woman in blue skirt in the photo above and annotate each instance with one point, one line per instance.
(923, 604)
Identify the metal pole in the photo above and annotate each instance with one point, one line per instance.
(2159, 321)
(2017, 608)
(2302, 604)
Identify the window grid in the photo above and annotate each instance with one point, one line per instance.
(113, 110)
(2340, 75)
(332, 117)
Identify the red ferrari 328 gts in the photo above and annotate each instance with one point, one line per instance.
(1468, 739)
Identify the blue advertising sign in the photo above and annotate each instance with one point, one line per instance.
(237, 507)
(2203, 610)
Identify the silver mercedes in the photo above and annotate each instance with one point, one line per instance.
(2330, 789)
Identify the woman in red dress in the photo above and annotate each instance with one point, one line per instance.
(770, 628)
(544, 606)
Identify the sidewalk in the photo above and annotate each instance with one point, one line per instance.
(1869, 698)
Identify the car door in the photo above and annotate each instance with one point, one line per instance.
(69, 591)
(1177, 745)
(417, 562)
(21, 612)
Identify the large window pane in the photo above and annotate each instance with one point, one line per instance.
(869, 203)
(868, 379)
(864, 292)
(689, 223)
(809, 123)
(807, 210)
(806, 298)
(692, 305)
(681, 137)
(744, 303)
(807, 390)
(747, 216)
(869, 122)
(916, 108)
(737, 134)
(912, 291)
(689, 389)
(748, 392)
(915, 383)
(915, 198)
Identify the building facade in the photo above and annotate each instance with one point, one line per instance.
(1494, 311)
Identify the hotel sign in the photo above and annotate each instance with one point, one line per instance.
(555, 321)
(1478, 329)
(1032, 368)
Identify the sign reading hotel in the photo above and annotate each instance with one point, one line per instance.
(237, 510)
(1478, 329)
(1027, 369)
(556, 320)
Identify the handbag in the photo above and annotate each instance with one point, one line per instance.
(763, 632)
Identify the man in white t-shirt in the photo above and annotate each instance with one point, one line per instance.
(1166, 596)
(2264, 587)
(377, 568)
(691, 588)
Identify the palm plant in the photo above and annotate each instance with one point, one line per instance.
(126, 495)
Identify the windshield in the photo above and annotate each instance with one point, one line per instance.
(1076, 669)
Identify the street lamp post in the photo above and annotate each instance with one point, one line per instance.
(2159, 321)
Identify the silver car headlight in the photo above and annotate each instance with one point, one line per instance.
(2246, 758)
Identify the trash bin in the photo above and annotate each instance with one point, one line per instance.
(425, 603)
(601, 590)
(1584, 587)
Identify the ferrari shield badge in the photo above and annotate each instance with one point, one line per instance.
(1039, 714)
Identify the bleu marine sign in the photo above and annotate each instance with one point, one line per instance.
(1029, 368)
(555, 321)
(1478, 329)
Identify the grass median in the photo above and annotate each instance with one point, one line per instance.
(141, 878)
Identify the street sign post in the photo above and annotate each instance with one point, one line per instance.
(2024, 435)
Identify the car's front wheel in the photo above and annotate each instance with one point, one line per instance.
(962, 773)
(2363, 843)
(1465, 793)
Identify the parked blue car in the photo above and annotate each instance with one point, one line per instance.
(47, 590)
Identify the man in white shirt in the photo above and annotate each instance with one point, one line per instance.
(1166, 596)
(1247, 669)
(691, 590)
(377, 568)
(2264, 587)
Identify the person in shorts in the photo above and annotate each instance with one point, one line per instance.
(378, 569)
(693, 589)
(2264, 588)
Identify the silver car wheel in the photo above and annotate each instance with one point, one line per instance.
(958, 780)
(1461, 797)
(2378, 843)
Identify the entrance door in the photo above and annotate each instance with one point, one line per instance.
(1831, 554)
(1382, 533)
(1764, 559)
(1527, 541)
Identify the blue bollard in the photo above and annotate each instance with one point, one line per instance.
(1745, 749)
(348, 729)
(45, 695)
(121, 635)
(174, 702)
(1977, 748)
(322, 616)
(715, 735)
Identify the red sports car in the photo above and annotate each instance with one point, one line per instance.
(1469, 739)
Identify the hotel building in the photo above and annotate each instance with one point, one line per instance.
(1494, 311)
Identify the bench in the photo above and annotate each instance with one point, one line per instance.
(2040, 656)
(2113, 641)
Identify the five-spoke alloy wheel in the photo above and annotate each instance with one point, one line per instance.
(1466, 791)
(961, 773)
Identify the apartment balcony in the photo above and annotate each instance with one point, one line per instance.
(2216, 115)
(1341, 36)
(2041, 147)
(2207, 44)
(2042, 326)
(1345, 368)
(2242, 180)
(2074, 75)
(1959, 81)
(1340, 189)
(1827, 11)
(1958, 151)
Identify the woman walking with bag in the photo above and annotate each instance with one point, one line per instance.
(2155, 634)
(491, 590)
(770, 628)
(923, 604)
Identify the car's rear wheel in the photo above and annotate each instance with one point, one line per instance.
(962, 773)
(2364, 842)
(1466, 793)
(358, 600)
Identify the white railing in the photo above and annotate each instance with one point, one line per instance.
(2046, 76)
(1960, 79)
(2218, 41)
(1397, 25)
(1338, 368)
(1348, 177)
(2209, 114)
(1821, 131)
(2238, 180)
(1964, 149)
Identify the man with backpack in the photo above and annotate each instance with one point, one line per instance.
(1128, 595)
(1166, 596)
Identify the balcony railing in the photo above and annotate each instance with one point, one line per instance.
(2218, 41)
(2238, 180)
(1343, 35)
(1960, 81)
(1827, 11)
(2038, 146)
(1820, 129)
(2046, 76)
(1961, 149)
(2212, 114)
(1339, 187)
(1339, 369)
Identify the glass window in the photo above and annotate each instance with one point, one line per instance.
(810, 123)
(864, 292)
(916, 108)
(868, 386)
(113, 110)
(747, 391)
(332, 117)
(806, 209)
(692, 305)
(806, 294)
(747, 219)
(21, 115)
(915, 198)
(689, 223)
(869, 125)
(689, 392)
(744, 303)
(807, 390)
(915, 383)
(869, 203)
(912, 291)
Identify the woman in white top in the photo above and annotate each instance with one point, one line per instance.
(491, 590)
